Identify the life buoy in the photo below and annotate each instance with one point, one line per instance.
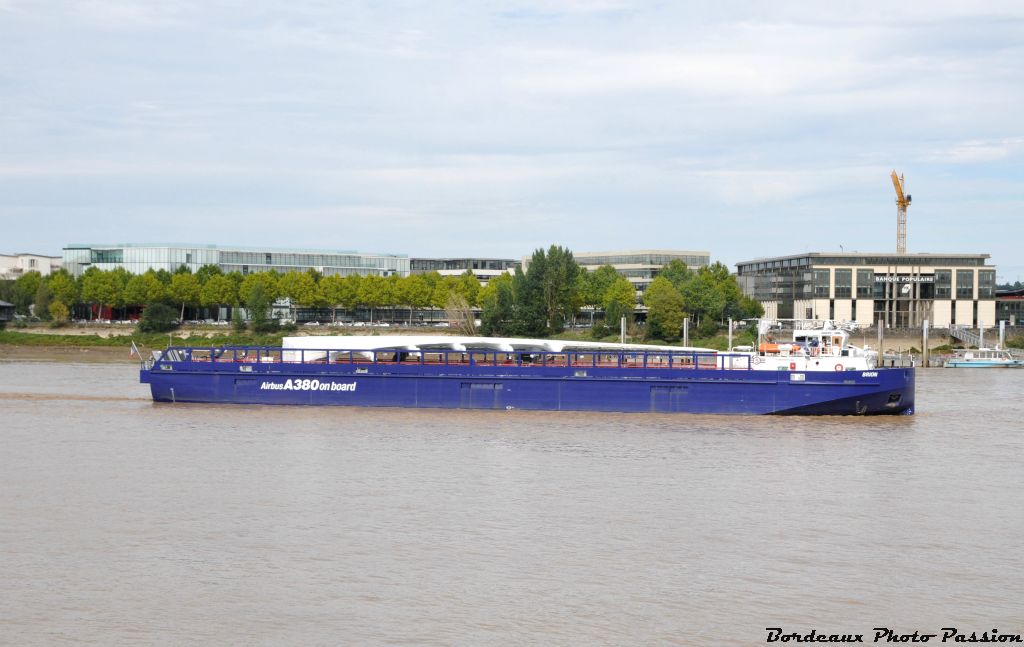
(792, 366)
(839, 368)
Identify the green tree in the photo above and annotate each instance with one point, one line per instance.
(678, 273)
(24, 292)
(100, 288)
(547, 294)
(373, 292)
(206, 272)
(164, 276)
(498, 306)
(468, 288)
(144, 289)
(414, 293)
(301, 288)
(665, 312)
(59, 312)
(619, 300)
(594, 285)
(219, 290)
(63, 287)
(120, 276)
(184, 289)
(158, 317)
(442, 291)
(269, 284)
(42, 301)
(702, 297)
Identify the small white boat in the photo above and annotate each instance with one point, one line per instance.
(983, 358)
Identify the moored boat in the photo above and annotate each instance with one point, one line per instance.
(506, 373)
(983, 358)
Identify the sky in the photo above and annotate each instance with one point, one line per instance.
(484, 128)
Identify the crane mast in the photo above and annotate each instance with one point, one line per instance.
(902, 202)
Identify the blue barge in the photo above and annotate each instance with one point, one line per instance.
(519, 374)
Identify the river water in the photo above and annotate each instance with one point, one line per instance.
(127, 522)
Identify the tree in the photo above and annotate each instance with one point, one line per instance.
(59, 312)
(184, 289)
(560, 288)
(547, 294)
(468, 288)
(120, 276)
(372, 292)
(594, 285)
(301, 288)
(498, 306)
(678, 273)
(24, 291)
(41, 304)
(63, 287)
(100, 288)
(158, 317)
(219, 290)
(206, 272)
(665, 313)
(703, 298)
(619, 301)
(144, 289)
(415, 293)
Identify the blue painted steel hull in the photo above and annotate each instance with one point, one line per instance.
(685, 390)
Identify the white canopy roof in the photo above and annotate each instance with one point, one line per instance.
(448, 342)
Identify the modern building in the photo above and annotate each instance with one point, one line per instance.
(137, 259)
(903, 290)
(483, 268)
(13, 266)
(638, 266)
(1010, 306)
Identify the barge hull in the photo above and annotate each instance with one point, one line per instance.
(880, 392)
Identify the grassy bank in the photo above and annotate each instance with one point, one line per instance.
(148, 340)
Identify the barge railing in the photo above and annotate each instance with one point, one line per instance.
(434, 357)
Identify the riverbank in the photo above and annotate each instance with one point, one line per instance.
(11, 352)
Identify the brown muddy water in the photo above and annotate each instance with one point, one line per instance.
(127, 522)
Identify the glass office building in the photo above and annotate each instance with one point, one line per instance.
(484, 269)
(902, 290)
(137, 259)
(639, 267)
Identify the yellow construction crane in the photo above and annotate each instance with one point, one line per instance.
(902, 202)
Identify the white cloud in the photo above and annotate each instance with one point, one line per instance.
(976, 151)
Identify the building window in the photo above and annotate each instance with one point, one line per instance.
(865, 284)
(821, 281)
(268, 260)
(965, 284)
(844, 284)
(986, 284)
(943, 282)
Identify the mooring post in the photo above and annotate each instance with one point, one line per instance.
(924, 344)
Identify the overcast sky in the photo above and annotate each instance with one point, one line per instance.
(746, 129)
